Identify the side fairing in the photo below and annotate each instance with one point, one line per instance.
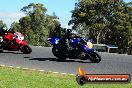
(87, 50)
(74, 42)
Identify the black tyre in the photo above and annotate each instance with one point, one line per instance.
(4, 45)
(95, 57)
(61, 58)
(55, 51)
(1, 50)
(60, 54)
(26, 50)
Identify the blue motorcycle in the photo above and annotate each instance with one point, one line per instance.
(76, 48)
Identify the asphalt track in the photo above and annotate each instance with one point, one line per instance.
(42, 59)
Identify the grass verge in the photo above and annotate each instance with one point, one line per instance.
(19, 78)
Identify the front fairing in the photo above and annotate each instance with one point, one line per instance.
(88, 46)
(21, 42)
(19, 36)
(53, 41)
(87, 50)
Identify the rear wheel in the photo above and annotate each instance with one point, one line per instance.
(26, 50)
(95, 57)
(61, 57)
(1, 50)
(59, 54)
(55, 51)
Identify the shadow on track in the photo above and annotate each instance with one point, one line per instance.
(13, 52)
(54, 59)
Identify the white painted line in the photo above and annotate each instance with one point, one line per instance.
(64, 73)
(10, 66)
(25, 68)
(2, 65)
(41, 70)
(49, 71)
(33, 69)
(72, 74)
(55, 72)
(17, 67)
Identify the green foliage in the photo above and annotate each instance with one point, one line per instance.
(15, 26)
(93, 15)
(37, 26)
(2, 24)
(121, 28)
(106, 21)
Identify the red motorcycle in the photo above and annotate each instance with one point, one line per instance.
(15, 42)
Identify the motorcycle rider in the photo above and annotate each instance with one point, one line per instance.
(64, 40)
(3, 30)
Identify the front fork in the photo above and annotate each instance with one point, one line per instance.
(88, 54)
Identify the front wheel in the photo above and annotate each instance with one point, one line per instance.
(95, 57)
(26, 50)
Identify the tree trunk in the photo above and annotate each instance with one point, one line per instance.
(98, 37)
